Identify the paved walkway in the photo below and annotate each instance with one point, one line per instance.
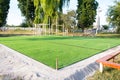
(14, 65)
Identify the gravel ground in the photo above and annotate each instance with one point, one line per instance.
(14, 65)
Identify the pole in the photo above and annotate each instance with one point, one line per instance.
(98, 21)
(56, 63)
(63, 29)
(49, 25)
(56, 26)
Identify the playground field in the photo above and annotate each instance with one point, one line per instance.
(67, 50)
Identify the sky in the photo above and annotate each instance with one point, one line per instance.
(104, 5)
(15, 17)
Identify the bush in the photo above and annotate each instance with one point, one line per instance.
(24, 24)
(105, 27)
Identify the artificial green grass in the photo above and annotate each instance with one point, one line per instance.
(68, 50)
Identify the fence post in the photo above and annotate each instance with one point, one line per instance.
(56, 63)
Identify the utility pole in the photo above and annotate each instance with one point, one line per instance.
(98, 20)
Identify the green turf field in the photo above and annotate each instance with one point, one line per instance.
(68, 50)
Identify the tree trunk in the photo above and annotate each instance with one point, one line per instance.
(82, 29)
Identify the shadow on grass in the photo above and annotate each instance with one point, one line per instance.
(52, 38)
(108, 69)
(109, 36)
(11, 35)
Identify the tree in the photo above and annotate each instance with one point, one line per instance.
(47, 9)
(4, 7)
(28, 10)
(70, 18)
(39, 11)
(86, 13)
(113, 15)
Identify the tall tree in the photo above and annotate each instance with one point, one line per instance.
(86, 13)
(28, 10)
(70, 18)
(114, 15)
(4, 7)
(46, 9)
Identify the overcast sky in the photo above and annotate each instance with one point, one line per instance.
(15, 18)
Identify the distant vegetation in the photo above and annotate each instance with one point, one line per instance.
(114, 16)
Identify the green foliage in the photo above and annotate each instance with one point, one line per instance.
(106, 27)
(70, 18)
(4, 6)
(40, 11)
(28, 10)
(114, 15)
(86, 13)
(68, 50)
(45, 9)
(24, 24)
